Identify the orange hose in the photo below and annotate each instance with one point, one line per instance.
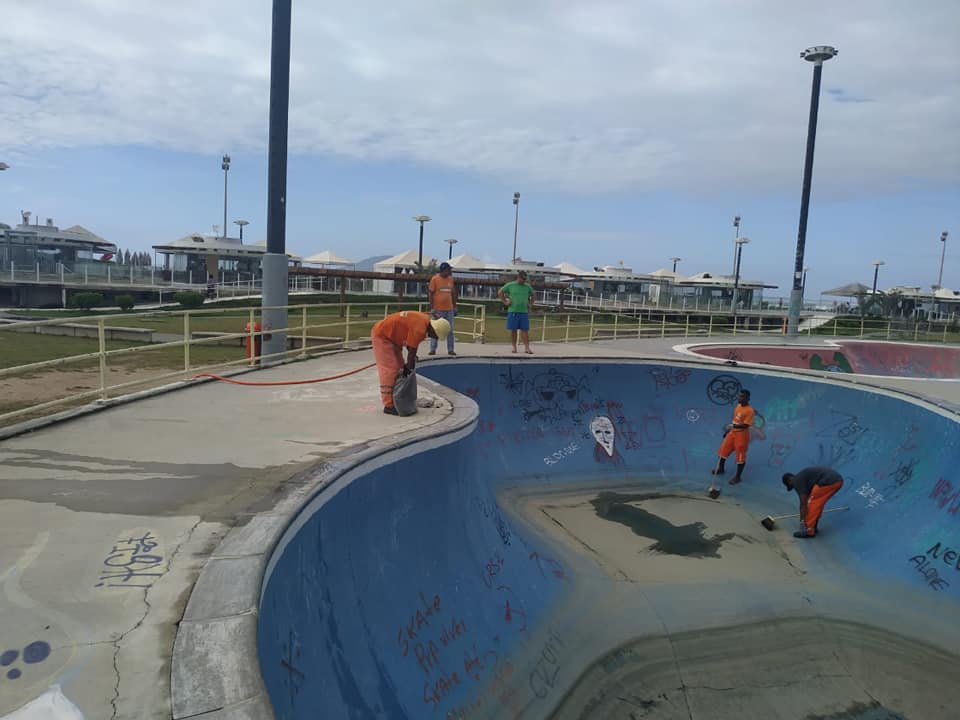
(285, 382)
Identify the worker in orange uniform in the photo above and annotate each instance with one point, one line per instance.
(814, 485)
(443, 302)
(406, 329)
(737, 437)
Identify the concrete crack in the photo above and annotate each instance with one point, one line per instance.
(759, 686)
(114, 701)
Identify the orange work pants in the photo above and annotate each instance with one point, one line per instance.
(389, 359)
(735, 441)
(818, 498)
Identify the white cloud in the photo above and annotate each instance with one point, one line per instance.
(580, 96)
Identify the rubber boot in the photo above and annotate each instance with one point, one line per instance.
(739, 476)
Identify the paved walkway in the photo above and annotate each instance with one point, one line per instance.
(106, 520)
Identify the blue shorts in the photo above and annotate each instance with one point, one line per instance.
(518, 321)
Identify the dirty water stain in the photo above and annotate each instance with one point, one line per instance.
(684, 540)
(861, 711)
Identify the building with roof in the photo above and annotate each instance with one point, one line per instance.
(50, 248)
(199, 256)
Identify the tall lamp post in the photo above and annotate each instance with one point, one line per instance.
(741, 241)
(675, 261)
(225, 166)
(421, 219)
(876, 271)
(817, 55)
(516, 224)
(736, 224)
(451, 242)
(943, 254)
(241, 223)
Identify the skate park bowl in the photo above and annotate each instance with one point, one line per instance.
(557, 556)
(910, 360)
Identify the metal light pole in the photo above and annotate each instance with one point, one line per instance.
(421, 219)
(943, 254)
(516, 224)
(225, 166)
(736, 224)
(876, 271)
(451, 242)
(675, 261)
(241, 223)
(274, 264)
(817, 55)
(741, 241)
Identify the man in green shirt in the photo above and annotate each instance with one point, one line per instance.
(518, 297)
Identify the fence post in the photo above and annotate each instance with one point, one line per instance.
(186, 341)
(102, 343)
(109, 274)
(303, 334)
(61, 273)
(663, 326)
(686, 327)
(590, 337)
(566, 333)
(152, 280)
(734, 324)
(131, 274)
(543, 330)
(944, 331)
(346, 327)
(889, 323)
(916, 331)
(616, 323)
(710, 326)
(863, 320)
(639, 326)
(38, 272)
(84, 273)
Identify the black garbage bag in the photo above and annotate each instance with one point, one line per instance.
(405, 394)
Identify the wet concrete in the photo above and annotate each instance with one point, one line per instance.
(685, 540)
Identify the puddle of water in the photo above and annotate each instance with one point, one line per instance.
(685, 540)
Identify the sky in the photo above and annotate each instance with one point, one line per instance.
(634, 131)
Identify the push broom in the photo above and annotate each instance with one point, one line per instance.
(770, 521)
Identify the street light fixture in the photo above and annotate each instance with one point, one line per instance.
(421, 219)
(516, 223)
(736, 224)
(741, 241)
(876, 270)
(225, 166)
(817, 55)
(4, 166)
(803, 286)
(675, 261)
(241, 223)
(451, 242)
(943, 254)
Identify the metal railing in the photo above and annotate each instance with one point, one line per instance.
(312, 330)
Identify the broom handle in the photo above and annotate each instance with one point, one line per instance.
(784, 517)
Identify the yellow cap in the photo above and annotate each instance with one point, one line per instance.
(441, 326)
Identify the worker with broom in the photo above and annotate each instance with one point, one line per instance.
(815, 485)
(405, 329)
(736, 439)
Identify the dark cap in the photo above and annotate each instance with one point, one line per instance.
(445, 266)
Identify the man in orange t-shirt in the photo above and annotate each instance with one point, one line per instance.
(443, 302)
(737, 437)
(403, 329)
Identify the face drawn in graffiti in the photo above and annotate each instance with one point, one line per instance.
(601, 427)
(723, 390)
(553, 396)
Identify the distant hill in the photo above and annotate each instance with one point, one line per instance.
(368, 263)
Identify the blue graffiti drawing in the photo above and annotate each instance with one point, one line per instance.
(723, 390)
(35, 652)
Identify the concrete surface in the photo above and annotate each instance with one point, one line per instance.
(107, 521)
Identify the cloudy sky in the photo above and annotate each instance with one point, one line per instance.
(634, 129)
